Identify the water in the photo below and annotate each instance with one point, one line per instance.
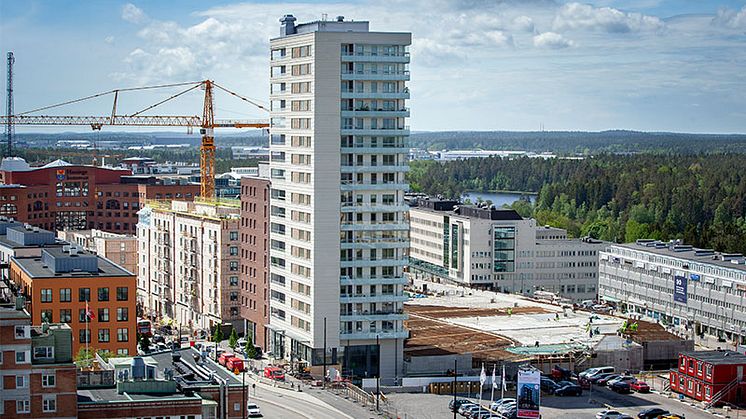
(499, 198)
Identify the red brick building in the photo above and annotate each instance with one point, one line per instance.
(254, 233)
(37, 374)
(62, 196)
(710, 376)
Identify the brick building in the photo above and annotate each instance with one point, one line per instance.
(62, 196)
(710, 376)
(59, 284)
(118, 248)
(254, 232)
(37, 375)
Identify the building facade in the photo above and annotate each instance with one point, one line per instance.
(710, 376)
(188, 256)
(91, 294)
(498, 249)
(254, 234)
(62, 196)
(118, 248)
(338, 222)
(37, 377)
(699, 291)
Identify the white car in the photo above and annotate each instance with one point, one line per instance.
(253, 410)
(464, 407)
(507, 407)
(609, 414)
(496, 405)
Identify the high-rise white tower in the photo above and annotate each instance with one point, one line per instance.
(338, 221)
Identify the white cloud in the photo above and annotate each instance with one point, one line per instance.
(552, 40)
(730, 18)
(607, 19)
(523, 23)
(133, 14)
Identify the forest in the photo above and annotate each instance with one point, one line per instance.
(698, 198)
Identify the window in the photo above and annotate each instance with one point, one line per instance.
(21, 381)
(49, 403)
(123, 352)
(44, 352)
(103, 294)
(233, 265)
(65, 295)
(84, 294)
(48, 379)
(23, 406)
(23, 332)
(66, 315)
(233, 235)
(103, 314)
(103, 335)
(46, 316)
(122, 314)
(122, 335)
(233, 280)
(233, 250)
(85, 336)
(22, 357)
(122, 293)
(46, 295)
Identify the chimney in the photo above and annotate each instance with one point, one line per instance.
(287, 25)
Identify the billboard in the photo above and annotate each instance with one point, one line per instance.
(529, 392)
(679, 289)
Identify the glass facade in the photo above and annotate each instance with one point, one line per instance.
(503, 249)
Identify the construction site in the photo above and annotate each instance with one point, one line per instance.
(450, 324)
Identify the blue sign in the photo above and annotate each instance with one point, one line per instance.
(694, 277)
(679, 289)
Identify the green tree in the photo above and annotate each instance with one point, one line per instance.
(250, 350)
(233, 340)
(217, 335)
(84, 358)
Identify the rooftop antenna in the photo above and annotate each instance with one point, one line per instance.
(9, 129)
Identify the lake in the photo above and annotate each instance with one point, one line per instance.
(499, 198)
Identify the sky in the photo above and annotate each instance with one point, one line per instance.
(650, 65)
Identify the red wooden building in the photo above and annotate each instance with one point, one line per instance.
(710, 376)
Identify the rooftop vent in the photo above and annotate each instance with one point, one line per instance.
(703, 252)
(682, 247)
(726, 257)
(644, 242)
(287, 26)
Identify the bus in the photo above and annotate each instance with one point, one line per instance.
(145, 327)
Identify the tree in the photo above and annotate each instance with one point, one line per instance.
(233, 340)
(217, 335)
(84, 357)
(250, 350)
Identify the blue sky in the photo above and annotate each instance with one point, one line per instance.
(655, 65)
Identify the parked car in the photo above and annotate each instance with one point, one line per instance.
(568, 390)
(594, 378)
(626, 378)
(652, 413)
(559, 373)
(621, 387)
(673, 416)
(639, 386)
(224, 357)
(479, 412)
(253, 410)
(496, 405)
(470, 409)
(548, 385)
(610, 414)
(455, 404)
(596, 370)
(462, 409)
(603, 381)
(507, 407)
(274, 373)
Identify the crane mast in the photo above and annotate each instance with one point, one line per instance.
(9, 107)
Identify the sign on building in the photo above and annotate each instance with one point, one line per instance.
(679, 289)
(529, 392)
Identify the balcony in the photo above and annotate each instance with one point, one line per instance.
(374, 187)
(383, 334)
(346, 280)
(404, 94)
(373, 316)
(363, 58)
(399, 149)
(349, 207)
(378, 298)
(360, 263)
(376, 132)
(375, 244)
(374, 226)
(376, 113)
(368, 168)
(368, 75)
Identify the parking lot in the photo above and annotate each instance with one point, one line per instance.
(432, 406)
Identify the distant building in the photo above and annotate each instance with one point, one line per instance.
(37, 374)
(241, 152)
(65, 283)
(118, 248)
(447, 155)
(498, 249)
(254, 234)
(189, 263)
(698, 291)
(63, 196)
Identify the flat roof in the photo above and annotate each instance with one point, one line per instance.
(689, 255)
(718, 357)
(164, 360)
(109, 395)
(10, 244)
(34, 267)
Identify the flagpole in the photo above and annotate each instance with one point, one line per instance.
(502, 387)
(87, 333)
(492, 393)
(482, 379)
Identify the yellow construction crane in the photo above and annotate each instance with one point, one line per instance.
(206, 123)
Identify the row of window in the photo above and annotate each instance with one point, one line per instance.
(84, 294)
(85, 316)
(104, 335)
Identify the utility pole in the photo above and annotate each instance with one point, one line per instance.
(455, 374)
(9, 106)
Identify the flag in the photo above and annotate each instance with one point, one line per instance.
(494, 379)
(482, 377)
(503, 379)
(88, 312)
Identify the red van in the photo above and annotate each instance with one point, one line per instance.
(234, 364)
(274, 373)
(224, 357)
